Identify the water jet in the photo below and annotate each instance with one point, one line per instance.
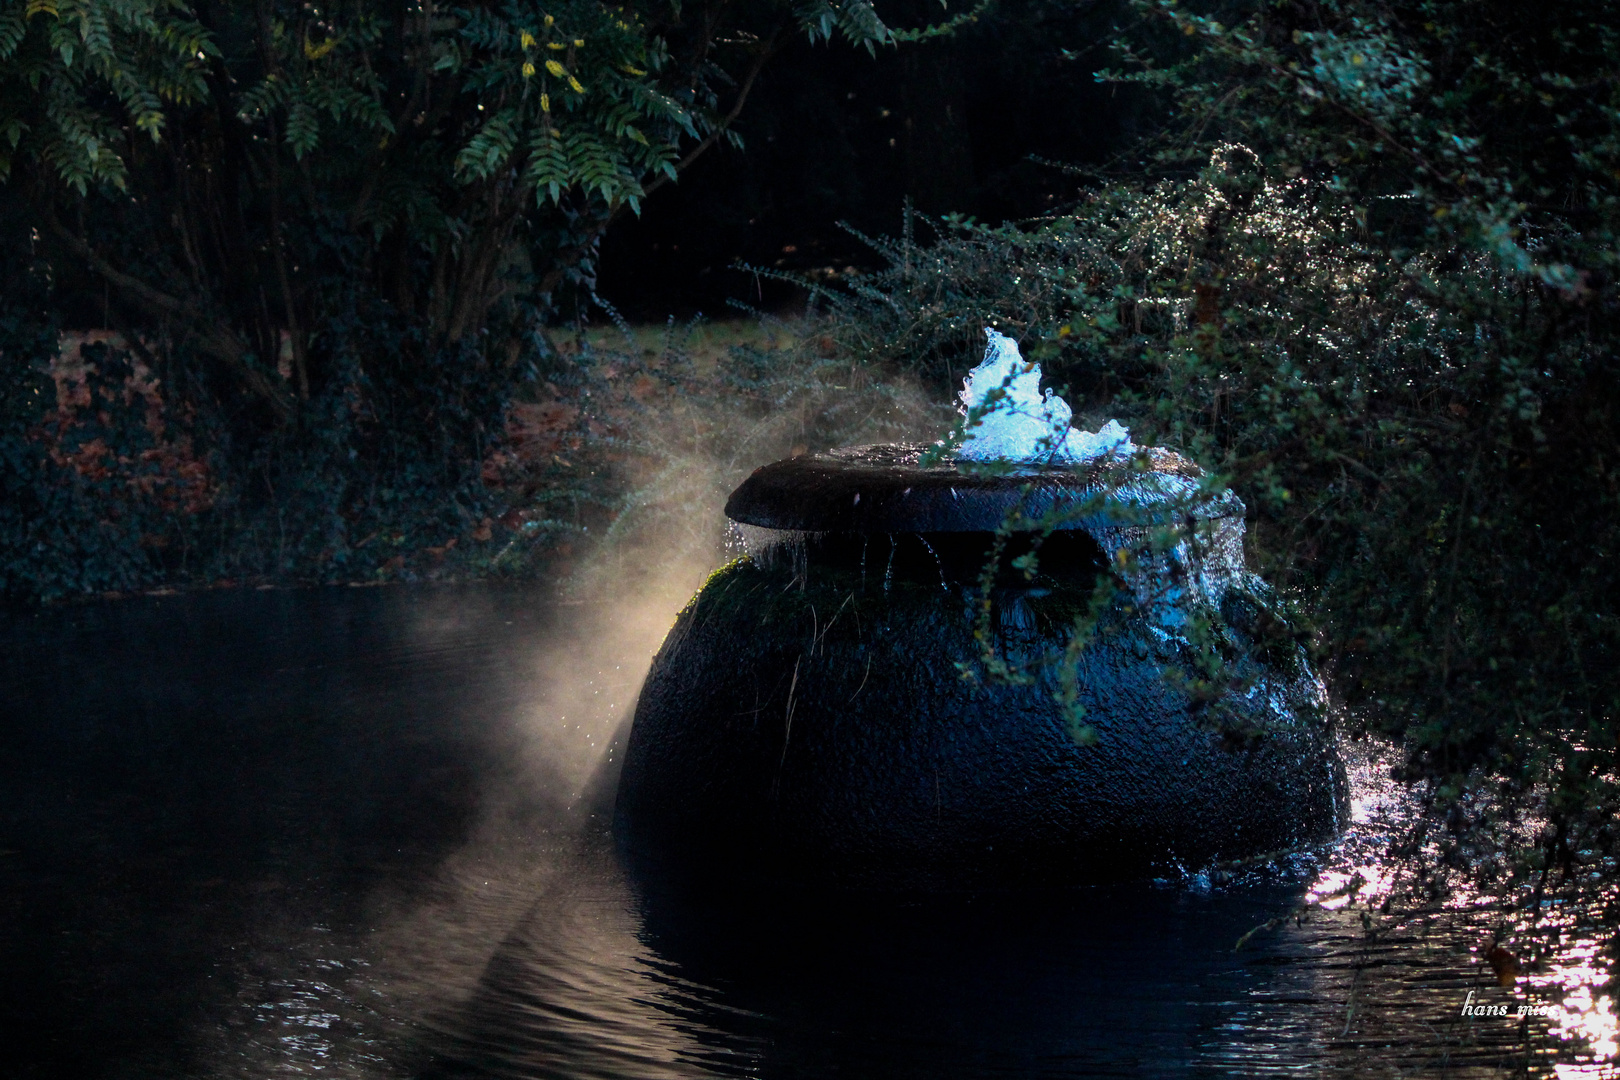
(886, 689)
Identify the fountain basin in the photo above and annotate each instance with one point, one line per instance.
(821, 706)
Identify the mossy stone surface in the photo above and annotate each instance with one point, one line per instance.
(808, 717)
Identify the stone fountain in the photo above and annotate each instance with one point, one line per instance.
(867, 697)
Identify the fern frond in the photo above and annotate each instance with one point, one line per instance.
(489, 149)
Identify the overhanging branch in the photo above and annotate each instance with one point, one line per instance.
(766, 51)
(216, 342)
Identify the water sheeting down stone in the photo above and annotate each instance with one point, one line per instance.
(811, 715)
(825, 706)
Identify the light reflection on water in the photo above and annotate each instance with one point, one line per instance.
(1583, 1019)
(404, 878)
(1560, 1000)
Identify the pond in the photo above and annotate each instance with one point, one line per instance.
(364, 832)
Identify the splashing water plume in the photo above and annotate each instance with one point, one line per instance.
(1010, 419)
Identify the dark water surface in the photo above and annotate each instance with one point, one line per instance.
(362, 832)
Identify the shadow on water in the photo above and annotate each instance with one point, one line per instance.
(656, 980)
(186, 779)
(363, 833)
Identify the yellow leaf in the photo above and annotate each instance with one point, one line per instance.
(545, 103)
(37, 6)
(549, 21)
(528, 70)
(556, 69)
(628, 70)
(555, 45)
(315, 52)
(579, 43)
(526, 40)
(573, 82)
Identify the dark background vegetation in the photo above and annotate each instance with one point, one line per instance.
(981, 123)
(1360, 258)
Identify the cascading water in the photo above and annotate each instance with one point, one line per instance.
(1010, 419)
(888, 728)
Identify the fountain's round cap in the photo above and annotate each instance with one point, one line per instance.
(884, 489)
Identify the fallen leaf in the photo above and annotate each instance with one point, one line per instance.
(1504, 963)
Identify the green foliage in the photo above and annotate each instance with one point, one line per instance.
(1375, 289)
(334, 235)
(71, 74)
(571, 95)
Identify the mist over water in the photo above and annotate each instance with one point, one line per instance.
(365, 833)
(233, 824)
